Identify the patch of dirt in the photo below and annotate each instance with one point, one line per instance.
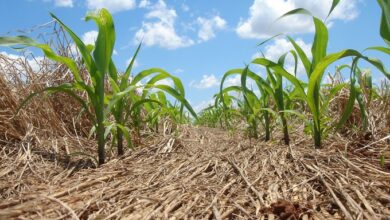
(287, 210)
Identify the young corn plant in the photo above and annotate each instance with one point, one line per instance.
(211, 116)
(315, 69)
(96, 60)
(155, 83)
(258, 109)
(122, 98)
(273, 87)
(384, 30)
(247, 109)
(164, 111)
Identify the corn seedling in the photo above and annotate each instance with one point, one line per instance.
(123, 95)
(97, 63)
(315, 71)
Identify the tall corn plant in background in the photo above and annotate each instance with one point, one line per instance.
(96, 62)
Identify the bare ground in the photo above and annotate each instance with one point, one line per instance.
(202, 173)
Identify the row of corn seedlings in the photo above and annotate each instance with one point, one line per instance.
(122, 102)
(270, 98)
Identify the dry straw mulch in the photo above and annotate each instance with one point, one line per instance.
(201, 174)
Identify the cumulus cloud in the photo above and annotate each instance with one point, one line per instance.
(64, 3)
(263, 13)
(159, 29)
(207, 81)
(209, 26)
(144, 4)
(112, 5)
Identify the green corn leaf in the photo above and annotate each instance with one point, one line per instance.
(385, 20)
(178, 97)
(277, 68)
(348, 108)
(118, 96)
(362, 106)
(83, 49)
(164, 75)
(142, 102)
(105, 41)
(161, 74)
(126, 76)
(297, 113)
(303, 57)
(381, 49)
(109, 129)
(320, 42)
(14, 41)
(269, 39)
(113, 72)
(295, 12)
(26, 41)
(126, 133)
(332, 93)
(65, 88)
(334, 4)
(114, 86)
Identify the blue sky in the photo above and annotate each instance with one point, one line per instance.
(200, 40)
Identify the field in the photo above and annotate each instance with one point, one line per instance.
(81, 140)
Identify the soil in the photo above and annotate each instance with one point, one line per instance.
(199, 173)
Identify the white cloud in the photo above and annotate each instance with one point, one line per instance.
(89, 37)
(159, 30)
(281, 46)
(112, 5)
(144, 4)
(207, 81)
(263, 13)
(64, 3)
(209, 26)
